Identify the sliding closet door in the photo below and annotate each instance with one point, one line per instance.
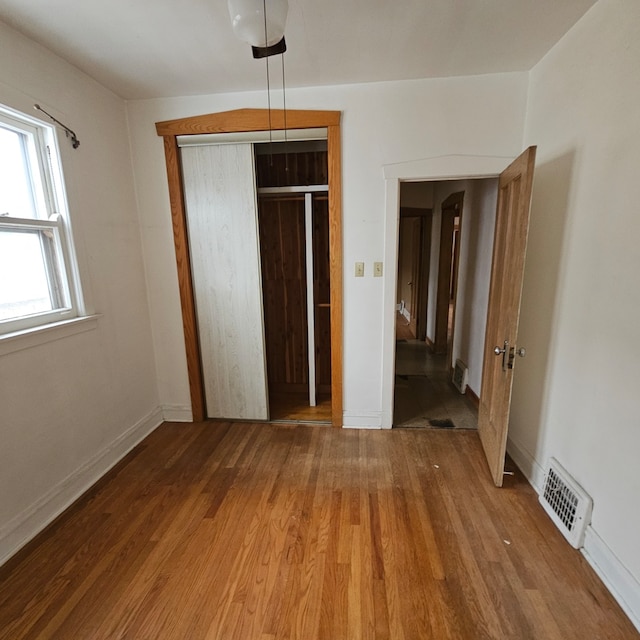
(220, 200)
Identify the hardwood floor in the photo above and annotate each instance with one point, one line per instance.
(295, 406)
(424, 395)
(246, 531)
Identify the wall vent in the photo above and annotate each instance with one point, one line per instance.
(460, 375)
(567, 503)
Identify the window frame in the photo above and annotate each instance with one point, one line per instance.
(43, 165)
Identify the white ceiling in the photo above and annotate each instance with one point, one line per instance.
(159, 48)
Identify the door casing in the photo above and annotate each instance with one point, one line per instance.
(450, 208)
(252, 120)
(420, 275)
(443, 168)
(427, 169)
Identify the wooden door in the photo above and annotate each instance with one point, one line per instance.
(322, 292)
(220, 200)
(423, 289)
(420, 236)
(451, 208)
(505, 290)
(416, 240)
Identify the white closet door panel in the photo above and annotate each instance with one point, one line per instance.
(220, 199)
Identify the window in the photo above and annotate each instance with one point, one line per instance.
(37, 284)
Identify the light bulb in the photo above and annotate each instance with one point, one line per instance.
(248, 21)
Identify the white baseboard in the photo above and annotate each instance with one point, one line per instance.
(615, 576)
(529, 466)
(26, 525)
(622, 585)
(177, 413)
(406, 314)
(368, 420)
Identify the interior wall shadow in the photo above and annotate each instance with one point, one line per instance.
(543, 266)
(464, 312)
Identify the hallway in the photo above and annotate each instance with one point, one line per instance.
(424, 395)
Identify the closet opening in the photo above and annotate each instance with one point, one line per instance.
(293, 222)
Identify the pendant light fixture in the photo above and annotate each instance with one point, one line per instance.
(260, 23)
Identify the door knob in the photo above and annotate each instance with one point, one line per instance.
(508, 355)
(522, 352)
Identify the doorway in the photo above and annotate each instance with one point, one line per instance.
(293, 222)
(252, 123)
(457, 274)
(514, 186)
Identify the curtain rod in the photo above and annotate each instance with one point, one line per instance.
(75, 143)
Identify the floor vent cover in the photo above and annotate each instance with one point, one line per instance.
(460, 374)
(566, 503)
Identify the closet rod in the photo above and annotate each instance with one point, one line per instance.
(310, 188)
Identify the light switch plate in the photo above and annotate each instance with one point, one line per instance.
(359, 269)
(377, 269)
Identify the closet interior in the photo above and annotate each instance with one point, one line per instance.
(293, 222)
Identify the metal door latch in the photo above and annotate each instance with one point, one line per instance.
(505, 354)
(509, 355)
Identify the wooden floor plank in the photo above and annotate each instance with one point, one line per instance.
(249, 531)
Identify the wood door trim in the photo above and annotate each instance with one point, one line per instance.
(425, 215)
(254, 120)
(335, 268)
(185, 283)
(453, 202)
(240, 120)
(425, 266)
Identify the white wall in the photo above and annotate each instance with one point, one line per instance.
(383, 123)
(474, 270)
(575, 394)
(71, 407)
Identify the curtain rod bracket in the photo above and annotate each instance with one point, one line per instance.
(75, 143)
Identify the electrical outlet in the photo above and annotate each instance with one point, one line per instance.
(377, 269)
(359, 269)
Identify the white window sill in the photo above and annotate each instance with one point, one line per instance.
(28, 338)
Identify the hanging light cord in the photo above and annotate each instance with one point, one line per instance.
(284, 94)
(264, 13)
(284, 107)
(284, 98)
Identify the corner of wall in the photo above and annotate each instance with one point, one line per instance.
(36, 517)
(529, 466)
(617, 579)
(177, 413)
(615, 576)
